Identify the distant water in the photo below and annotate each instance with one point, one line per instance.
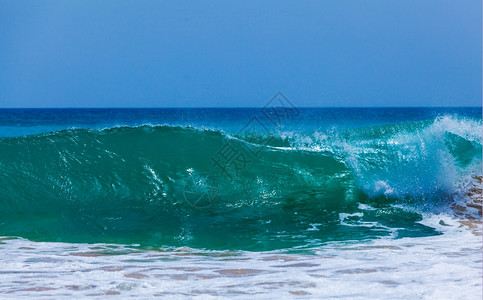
(259, 194)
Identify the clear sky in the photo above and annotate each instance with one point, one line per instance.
(240, 53)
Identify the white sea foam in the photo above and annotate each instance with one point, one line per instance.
(448, 266)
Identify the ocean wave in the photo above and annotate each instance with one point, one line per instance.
(168, 185)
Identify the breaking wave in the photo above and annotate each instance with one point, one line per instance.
(185, 186)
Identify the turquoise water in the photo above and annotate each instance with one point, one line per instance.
(238, 179)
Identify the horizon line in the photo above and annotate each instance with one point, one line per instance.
(224, 107)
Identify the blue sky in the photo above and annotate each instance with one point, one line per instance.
(240, 53)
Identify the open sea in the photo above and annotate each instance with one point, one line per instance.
(272, 202)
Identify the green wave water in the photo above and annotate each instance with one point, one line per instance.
(183, 186)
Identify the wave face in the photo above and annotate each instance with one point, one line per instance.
(185, 186)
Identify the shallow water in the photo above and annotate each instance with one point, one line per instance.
(447, 266)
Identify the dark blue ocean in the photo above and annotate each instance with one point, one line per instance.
(17, 122)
